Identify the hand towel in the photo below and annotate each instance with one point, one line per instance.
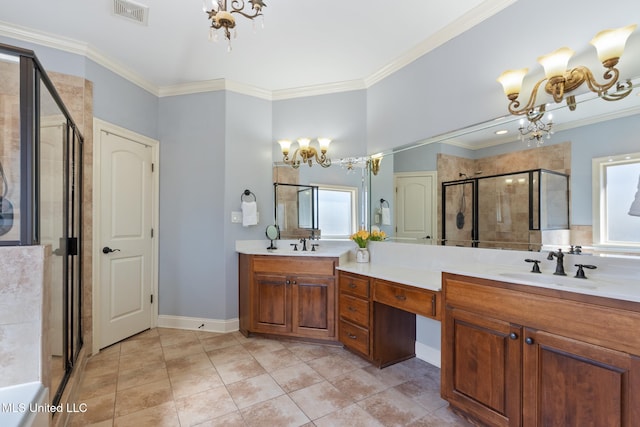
(386, 216)
(249, 213)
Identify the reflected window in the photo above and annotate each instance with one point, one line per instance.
(337, 211)
(618, 201)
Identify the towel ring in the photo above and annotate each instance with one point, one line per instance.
(247, 193)
(382, 202)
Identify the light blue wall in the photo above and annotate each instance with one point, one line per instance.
(117, 100)
(192, 205)
(247, 165)
(341, 117)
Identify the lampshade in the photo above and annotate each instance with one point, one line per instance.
(285, 144)
(511, 81)
(324, 144)
(304, 143)
(610, 43)
(555, 63)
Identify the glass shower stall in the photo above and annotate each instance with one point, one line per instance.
(520, 210)
(41, 193)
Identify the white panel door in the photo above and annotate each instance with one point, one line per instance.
(126, 245)
(415, 207)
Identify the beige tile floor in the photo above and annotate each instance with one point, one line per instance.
(171, 377)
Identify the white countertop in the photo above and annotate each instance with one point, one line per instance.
(325, 248)
(616, 287)
(422, 266)
(424, 279)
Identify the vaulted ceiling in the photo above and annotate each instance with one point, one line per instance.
(303, 43)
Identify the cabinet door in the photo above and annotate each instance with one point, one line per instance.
(313, 306)
(272, 312)
(572, 383)
(481, 371)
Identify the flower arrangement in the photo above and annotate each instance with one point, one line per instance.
(362, 237)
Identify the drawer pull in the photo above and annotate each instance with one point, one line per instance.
(351, 309)
(401, 297)
(353, 337)
(352, 285)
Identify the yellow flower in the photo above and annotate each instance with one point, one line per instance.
(377, 235)
(362, 237)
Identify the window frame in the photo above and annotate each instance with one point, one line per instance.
(354, 208)
(601, 241)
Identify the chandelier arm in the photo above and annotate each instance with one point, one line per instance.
(513, 105)
(237, 6)
(611, 74)
(246, 15)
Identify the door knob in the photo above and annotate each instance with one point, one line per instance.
(107, 250)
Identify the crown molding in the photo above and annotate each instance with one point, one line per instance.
(75, 47)
(457, 27)
(467, 21)
(324, 89)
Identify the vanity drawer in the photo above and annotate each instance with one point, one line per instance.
(407, 298)
(354, 337)
(354, 309)
(293, 265)
(355, 285)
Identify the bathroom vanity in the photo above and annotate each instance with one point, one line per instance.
(291, 296)
(517, 355)
(378, 317)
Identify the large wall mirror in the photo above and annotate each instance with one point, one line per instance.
(594, 129)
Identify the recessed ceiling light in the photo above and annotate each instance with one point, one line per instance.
(501, 132)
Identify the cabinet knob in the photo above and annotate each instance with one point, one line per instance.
(352, 285)
(288, 282)
(351, 309)
(353, 337)
(529, 340)
(401, 297)
(513, 336)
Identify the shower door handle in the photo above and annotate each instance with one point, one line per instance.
(107, 250)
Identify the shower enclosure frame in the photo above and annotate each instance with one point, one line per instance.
(32, 77)
(534, 205)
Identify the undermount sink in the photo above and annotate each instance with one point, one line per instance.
(569, 282)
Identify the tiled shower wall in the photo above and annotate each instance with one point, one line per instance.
(552, 157)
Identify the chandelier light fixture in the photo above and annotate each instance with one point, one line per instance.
(559, 81)
(533, 129)
(306, 152)
(222, 17)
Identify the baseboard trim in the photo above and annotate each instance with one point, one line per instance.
(198, 324)
(428, 354)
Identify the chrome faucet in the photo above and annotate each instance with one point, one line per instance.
(559, 259)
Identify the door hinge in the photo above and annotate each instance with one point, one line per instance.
(151, 298)
(152, 233)
(152, 167)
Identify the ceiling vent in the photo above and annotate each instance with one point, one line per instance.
(132, 11)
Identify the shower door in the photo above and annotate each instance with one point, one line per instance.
(59, 165)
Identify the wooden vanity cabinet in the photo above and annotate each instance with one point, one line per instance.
(524, 356)
(289, 296)
(377, 318)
